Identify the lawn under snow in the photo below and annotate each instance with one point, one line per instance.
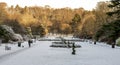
(41, 54)
(14, 48)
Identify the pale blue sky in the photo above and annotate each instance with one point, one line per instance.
(86, 4)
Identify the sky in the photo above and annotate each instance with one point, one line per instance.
(86, 4)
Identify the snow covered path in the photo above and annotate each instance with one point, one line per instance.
(42, 54)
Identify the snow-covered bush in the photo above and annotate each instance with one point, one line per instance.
(7, 28)
(17, 37)
(64, 45)
(7, 33)
(118, 42)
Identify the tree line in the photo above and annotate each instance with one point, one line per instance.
(81, 23)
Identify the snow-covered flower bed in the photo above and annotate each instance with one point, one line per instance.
(64, 45)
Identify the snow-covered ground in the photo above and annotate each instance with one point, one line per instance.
(13, 46)
(42, 54)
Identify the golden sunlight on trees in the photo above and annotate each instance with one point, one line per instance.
(43, 20)
(86, 28)
(27, 20)
(66, 28)
(3, 12)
